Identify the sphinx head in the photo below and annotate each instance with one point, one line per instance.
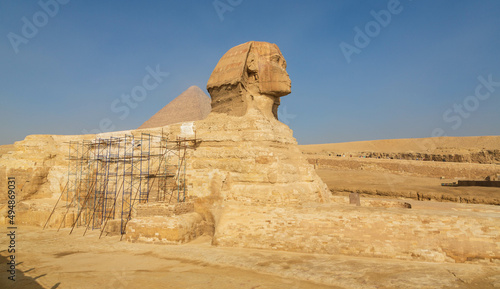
(249, 76)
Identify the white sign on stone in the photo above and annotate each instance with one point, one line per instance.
(187, 129)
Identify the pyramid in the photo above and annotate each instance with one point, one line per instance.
(193, 104)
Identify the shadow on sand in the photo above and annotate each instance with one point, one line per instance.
(21, 280)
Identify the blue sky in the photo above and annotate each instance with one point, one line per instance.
(417, 76)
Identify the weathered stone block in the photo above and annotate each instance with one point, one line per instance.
(166, 230)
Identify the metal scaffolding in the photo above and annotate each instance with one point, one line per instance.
(108, 177)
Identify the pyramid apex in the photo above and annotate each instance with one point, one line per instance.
(191, 105)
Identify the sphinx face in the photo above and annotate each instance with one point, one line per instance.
(273, 78)
(250, 76)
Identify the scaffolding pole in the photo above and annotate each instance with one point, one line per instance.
(108, 176)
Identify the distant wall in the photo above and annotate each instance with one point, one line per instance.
(480, 157)
(479, 183)
(415, 168)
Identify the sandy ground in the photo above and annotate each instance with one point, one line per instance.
(51, 259)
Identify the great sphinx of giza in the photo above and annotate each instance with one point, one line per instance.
(246, 166)
(248, 161)
(244, 154)
(258, 158)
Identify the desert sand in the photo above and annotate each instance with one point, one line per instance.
(52, 259)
